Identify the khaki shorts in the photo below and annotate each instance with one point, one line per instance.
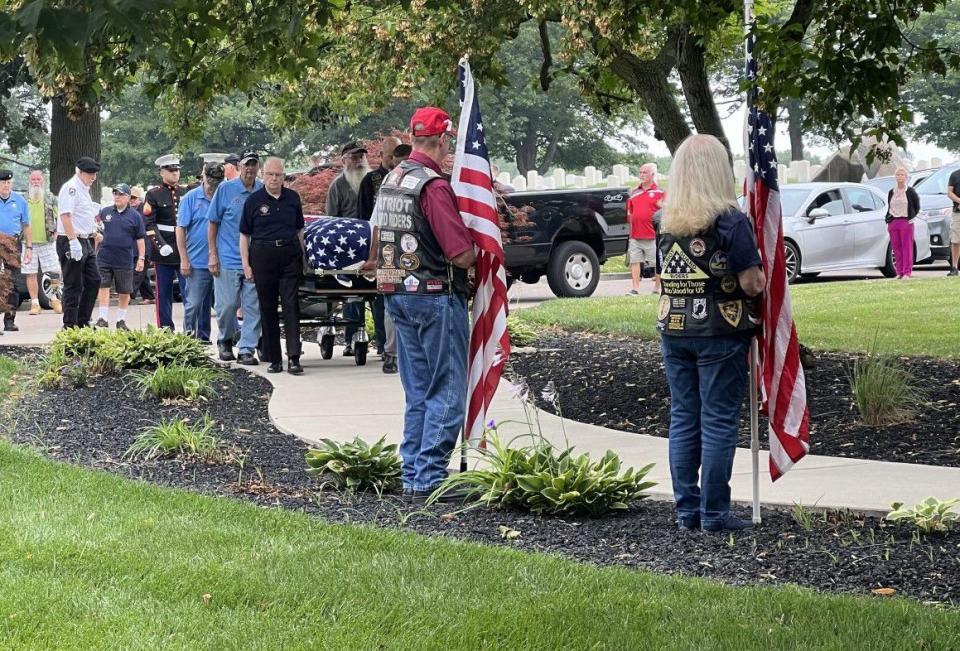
(955, 228)
(642, 252)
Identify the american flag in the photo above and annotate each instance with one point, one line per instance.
(783, 391)
(337, 242)
(473, 184)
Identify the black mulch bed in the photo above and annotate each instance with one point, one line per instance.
(620, 383)
(94, 426)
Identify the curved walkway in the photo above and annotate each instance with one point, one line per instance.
(337, 399)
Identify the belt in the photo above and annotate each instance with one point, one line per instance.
(80, 236)
(166, 228)
(276, 243)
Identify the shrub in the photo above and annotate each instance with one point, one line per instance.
(356, 465)
(882, 391)
(537, 479)
(178, 381)
(176, 437)
(928, 516)
(521, 332)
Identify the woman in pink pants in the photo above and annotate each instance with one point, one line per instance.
(903, 203)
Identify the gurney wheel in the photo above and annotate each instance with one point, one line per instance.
(326, 346)
(360, 353)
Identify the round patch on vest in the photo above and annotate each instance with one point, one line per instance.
(663, 309)
(728, 284)
(718, 263)
(409, 262)
(697, 247)
(264, 209)
(409, 243)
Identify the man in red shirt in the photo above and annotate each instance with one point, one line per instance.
(644, 201)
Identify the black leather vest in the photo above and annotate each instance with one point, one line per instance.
(409, 258)
(699, 297)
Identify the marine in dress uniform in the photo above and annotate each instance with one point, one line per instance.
(76, 244)
(160, 209)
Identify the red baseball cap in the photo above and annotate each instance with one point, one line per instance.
(431, 121)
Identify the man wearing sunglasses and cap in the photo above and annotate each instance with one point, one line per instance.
(423, 253)
(76, 242)
(160, 208)
(121, 252)
(231, 167)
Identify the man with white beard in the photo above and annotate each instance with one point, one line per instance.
(342, 197)
(43, 224)
(343, 201)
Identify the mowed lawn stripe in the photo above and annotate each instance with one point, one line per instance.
(90, 560)
(903, 317)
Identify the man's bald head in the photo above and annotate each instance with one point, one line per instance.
(387, 147)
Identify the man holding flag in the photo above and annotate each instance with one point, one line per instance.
(423, 252)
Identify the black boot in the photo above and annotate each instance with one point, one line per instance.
(8, 324)
(293, 366)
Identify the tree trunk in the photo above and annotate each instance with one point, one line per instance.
(527, 151)
(795, 128)
(692, 67)
(550, 153)
(70, 139)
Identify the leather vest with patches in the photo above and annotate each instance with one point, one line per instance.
(700, 298)
(409, 258)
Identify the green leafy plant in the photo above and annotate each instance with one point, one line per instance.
(521, 332)
(178, 381)
(177, 437)
(356, 465)
(929, 516)
(108, 351)
(882, 390)
(539, 479)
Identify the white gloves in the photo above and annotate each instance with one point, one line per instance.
(166, 250)
(76, 251)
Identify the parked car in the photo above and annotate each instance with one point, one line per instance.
(563, 234)
(886, 183)
(839, 226)
(936, 209)
(49, 288)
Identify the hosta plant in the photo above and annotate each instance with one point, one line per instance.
(541, 479)
(356, 465)
(929, 516)
(521, 332)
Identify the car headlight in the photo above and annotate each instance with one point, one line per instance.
(934, 214)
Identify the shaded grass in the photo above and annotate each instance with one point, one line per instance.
(615, 264)
(90, 560)
(911, 317)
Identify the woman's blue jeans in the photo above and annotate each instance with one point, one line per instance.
(708, 380)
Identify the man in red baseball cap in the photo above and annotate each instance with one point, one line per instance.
(422, 251)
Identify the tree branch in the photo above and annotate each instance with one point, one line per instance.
(545, 76)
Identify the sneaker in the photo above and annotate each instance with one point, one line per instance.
(453, 496)
(101, 323)
(121, 325)
(689, 522)
(953, 272)
(633, 292)
(389, 364)
(348, 350)
(56, 305)
(226, 352)
(247, 359)
(730, 523)
(35, 308)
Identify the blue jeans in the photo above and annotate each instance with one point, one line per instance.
(432, 336)
(165, 275)
(708, 380)
(232, 292)
(196, 303)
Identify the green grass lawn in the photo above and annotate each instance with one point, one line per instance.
(616, 264)
(910, 317)
(93, 561)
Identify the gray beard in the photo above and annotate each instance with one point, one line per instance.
(355, 176)
(34, 193)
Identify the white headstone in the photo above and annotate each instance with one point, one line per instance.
(532, 177)
(549, 183)
(814, 170)
(559, 176)
(621, 171)
(579, 181)
(613, 181)
(783, 173)
(801, 170)
(739, 168)
(504, 177)
(936, 162)
(589, 172)
(519, 182)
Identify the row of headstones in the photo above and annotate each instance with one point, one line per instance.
(798, 171)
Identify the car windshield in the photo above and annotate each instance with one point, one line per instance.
(936, 183)
(882, 183)
(791, 200)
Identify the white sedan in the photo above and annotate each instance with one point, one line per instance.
(839, 226)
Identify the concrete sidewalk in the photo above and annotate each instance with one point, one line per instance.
(337, 399)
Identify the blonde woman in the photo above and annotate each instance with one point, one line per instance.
(903, 204)
(710, 272)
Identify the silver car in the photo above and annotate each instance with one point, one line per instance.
(935, 209)
(840, 226)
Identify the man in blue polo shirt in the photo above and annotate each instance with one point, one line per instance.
(232, 290)
(120, 254)
(14, 220)
(195, 252)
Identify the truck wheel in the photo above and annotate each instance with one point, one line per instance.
(574, 269)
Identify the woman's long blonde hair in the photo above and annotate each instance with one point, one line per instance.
(701, 186)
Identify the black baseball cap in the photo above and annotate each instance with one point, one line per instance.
(5, 175)
(214, 172)
(249, 155)
(353, 147)
(232, 159)
(87, 164)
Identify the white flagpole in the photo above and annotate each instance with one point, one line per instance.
(754, 349)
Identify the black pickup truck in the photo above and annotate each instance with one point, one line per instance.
(565, 234)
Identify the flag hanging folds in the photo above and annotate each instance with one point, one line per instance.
(782, 388)
(473, 184)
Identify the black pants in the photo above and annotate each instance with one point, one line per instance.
(81, 282)
(379, 328)
(141, 283)
(276, 273)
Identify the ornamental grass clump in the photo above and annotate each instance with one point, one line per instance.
(356, 465)
(178, 381)
(540, 479)
(929, 516)
(882, 391)
(177, 438)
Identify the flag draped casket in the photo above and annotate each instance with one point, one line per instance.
(338, 244)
